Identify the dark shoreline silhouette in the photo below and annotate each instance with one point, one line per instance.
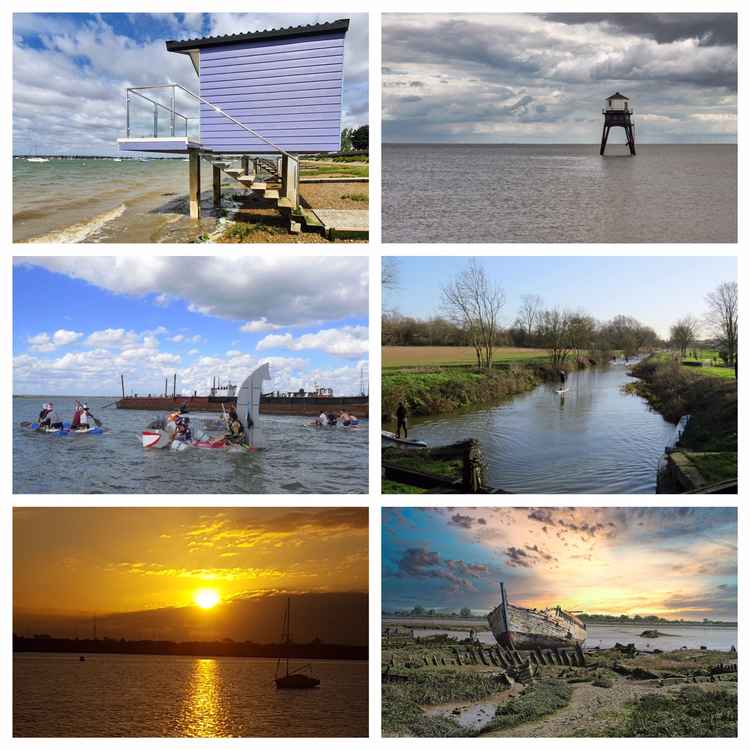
(313, 650)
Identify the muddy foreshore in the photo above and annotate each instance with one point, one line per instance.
(430, 690)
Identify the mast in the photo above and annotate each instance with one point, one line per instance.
(288, 629)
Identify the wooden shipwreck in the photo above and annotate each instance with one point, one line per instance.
(529, 629)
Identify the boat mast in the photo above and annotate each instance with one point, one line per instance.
(288, 628)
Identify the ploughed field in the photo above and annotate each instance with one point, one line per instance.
(416, 356)
(428, 691)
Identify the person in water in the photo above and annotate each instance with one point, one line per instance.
(401, 420)
(183, 431)
(235, 428)
(322, 420)
(49, 418)
(563, 378)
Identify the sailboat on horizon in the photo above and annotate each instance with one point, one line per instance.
(297, 679)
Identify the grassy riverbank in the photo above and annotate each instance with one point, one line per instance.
(617, 694)
(672, 389)
(443, 379)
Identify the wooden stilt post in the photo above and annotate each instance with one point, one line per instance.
(194, 195)
(217, 186)
(290, 180)
(245, 164)
(605, 135)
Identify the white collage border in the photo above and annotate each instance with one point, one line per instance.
(375, 249)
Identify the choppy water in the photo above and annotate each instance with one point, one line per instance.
(57, 695)
(559, 193)
(592, 439)
(102, 200)
(605, 636)
(298, 459)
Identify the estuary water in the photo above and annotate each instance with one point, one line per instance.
(605, 636)
(57, 695)
(559, 193)
(595, 438)
(298, 458)
(102, 200)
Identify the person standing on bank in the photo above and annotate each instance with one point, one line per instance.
(401, 420)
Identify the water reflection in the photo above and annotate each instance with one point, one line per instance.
(204, 711)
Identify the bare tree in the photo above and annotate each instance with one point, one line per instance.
(472, 301)
(554, 327)
(389, 272)
(683, 333)
(529, 312)
(722, 319)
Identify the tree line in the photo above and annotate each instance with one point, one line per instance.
(472, 306)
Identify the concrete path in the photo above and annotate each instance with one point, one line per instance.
(343, 221)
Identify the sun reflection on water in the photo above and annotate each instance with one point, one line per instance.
(204, 711)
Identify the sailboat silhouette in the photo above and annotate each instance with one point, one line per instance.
(296, 679)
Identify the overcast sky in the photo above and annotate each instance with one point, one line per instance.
(70, 70)
(670, 562)
(527, 78)
(198, 317)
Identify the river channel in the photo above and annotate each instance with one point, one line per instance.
(595, 438)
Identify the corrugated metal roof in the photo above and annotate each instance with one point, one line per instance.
(251, 36)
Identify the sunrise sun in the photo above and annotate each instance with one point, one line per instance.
(206, 598)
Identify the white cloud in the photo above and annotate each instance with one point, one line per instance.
(177, 338)
(43, 342)
(279, 291)
(258, 326)
(348, 341)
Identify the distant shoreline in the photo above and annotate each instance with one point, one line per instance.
(457, 622)
(106, 646)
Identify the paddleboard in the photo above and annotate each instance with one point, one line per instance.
(66, 430)
(563, 390)
(390, 437)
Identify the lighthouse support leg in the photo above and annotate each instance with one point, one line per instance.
(631, 139)
(605, 135)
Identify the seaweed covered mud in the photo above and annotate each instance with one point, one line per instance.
(437, 686)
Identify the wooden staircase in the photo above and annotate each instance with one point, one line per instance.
(268, 185)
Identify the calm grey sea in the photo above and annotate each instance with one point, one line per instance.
(57, 695)
(298, 459)
(559, 193)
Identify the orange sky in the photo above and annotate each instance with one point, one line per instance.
(81, 561)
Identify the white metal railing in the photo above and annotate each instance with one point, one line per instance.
(173, 114)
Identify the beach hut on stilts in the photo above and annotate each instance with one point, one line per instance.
(265, 98)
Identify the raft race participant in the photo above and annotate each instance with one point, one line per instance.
(235, 428)
(49, 418)
(81, 416)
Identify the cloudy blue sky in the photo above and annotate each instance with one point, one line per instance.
(70, 70)
(670, 562)
(149, 317)
(656, 291)
(543, 78)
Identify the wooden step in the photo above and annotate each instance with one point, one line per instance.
(311, 220)
(285, 203)
(247, 180)
(234, 172)
(222, 164)
(259, 186)
(272, 195)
